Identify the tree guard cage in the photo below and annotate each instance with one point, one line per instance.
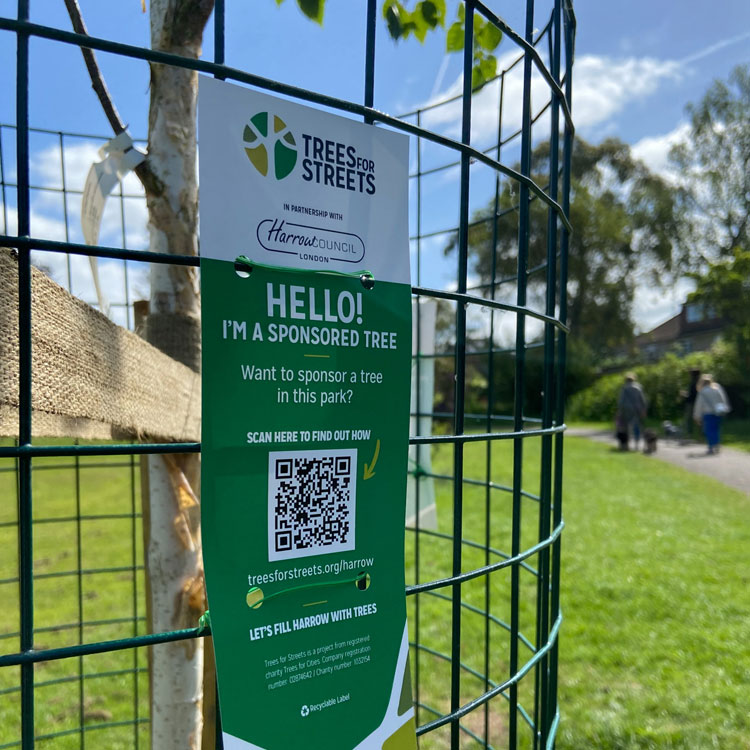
(483, 597)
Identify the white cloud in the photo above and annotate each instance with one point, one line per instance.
(123, 223)
(45, 168)
(74, 271)
(478, 320)
(604, 87)
(653, 306)
(653, 151)
(447, 117)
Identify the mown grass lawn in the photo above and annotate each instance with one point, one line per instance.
(109, 596)
(655, 594)
(736, 433)
(655, 589)
(653, 647)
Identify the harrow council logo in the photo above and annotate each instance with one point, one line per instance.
(270, 152)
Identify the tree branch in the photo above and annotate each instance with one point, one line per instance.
(151, 183)
(97, 81)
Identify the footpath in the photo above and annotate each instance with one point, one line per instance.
(729, 466)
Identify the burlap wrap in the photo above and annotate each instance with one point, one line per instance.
(90, 377)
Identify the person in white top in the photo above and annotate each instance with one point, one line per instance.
(711, 404)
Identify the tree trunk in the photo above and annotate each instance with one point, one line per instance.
(173, 554)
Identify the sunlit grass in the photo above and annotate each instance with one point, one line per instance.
(736, 432)
(653, 646)
(109, 595)
(655, 594)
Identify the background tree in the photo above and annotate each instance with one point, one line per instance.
(625, 225)
(419, 17)
(725, 289)
(714, 171)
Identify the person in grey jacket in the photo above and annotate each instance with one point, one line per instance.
(711, 405)
(631, 407)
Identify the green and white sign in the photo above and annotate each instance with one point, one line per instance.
(306, 369)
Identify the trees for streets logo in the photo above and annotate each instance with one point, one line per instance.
(278, 147)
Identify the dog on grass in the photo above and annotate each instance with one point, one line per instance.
(671, 431)
(649, 438)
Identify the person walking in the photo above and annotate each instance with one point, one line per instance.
(688, 400)
(631, 407)
(711, 404)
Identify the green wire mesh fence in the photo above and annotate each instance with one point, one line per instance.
(483, 541)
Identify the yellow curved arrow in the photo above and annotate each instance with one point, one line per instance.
(369, 473)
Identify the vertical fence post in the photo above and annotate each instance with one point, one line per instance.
(134, 563)
(372, 10)
(569, 30)
(420, 448)
(25, 530)
(489, 424)
(213, 738)
(63, 175)
(79, 585)
(518, 401)
(460, 371)
(2, 185)
(543, 581)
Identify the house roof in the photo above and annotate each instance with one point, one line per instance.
(681, 326)
(667, 331)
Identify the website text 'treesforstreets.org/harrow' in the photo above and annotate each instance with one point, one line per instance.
(293, 574)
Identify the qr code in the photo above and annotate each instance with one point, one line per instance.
(311, 502)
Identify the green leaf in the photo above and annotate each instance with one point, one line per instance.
(278, 2)
(461, 12)
(408, 28)
(430, 12)
(489, 37)
(417, 25)
(392, 12)
(419, 31)
(488, 66)
(454, 38)
(477, 78)
(479, 22)
(313, 9)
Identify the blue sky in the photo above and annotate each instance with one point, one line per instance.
(637, 66)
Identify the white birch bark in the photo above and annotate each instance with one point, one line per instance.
(173, 554)
(176, 668)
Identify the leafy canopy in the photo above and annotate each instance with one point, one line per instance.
(714, 164)
(624, 227)
(426, 16)
(725, 289)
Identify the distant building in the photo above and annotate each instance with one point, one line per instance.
(693, 329)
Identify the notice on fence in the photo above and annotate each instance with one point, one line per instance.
(306, 370)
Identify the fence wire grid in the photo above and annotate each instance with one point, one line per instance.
(483, 593)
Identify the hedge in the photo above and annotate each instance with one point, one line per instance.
(662, 383)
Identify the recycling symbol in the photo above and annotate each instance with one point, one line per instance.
(304, 711)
